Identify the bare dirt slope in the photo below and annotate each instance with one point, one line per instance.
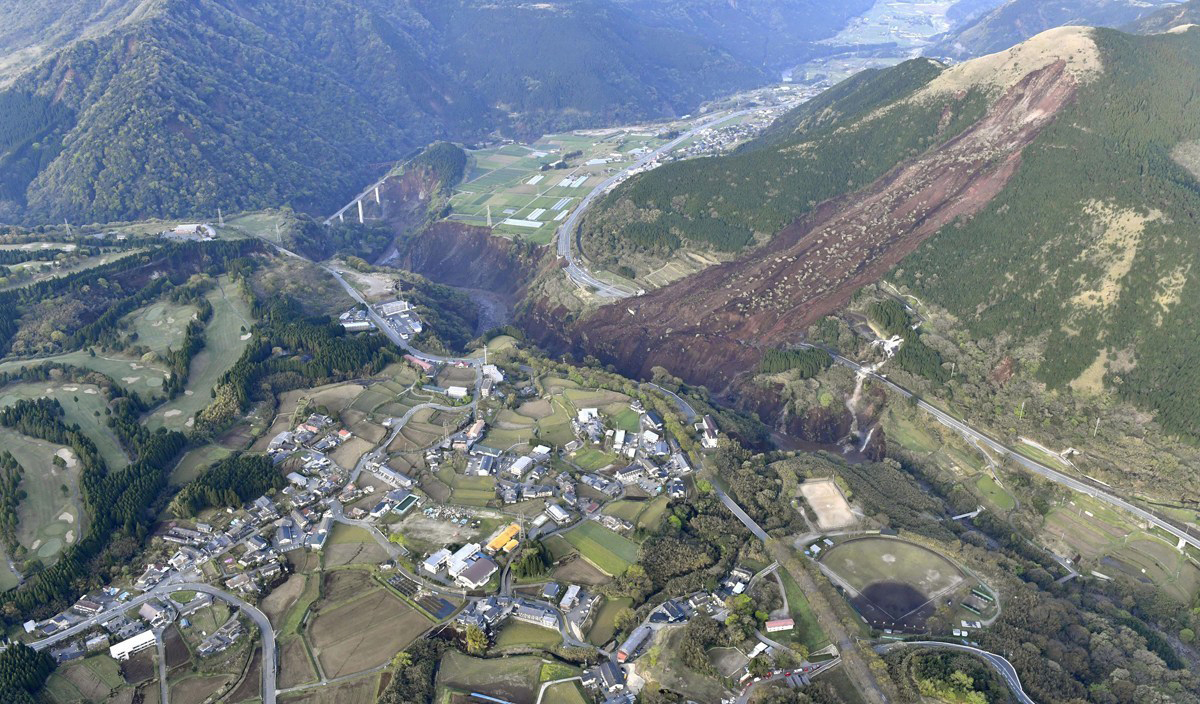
(708, 327)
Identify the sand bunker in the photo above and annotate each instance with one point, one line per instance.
(67, 456)
(173, 413)
(245, 337)
(67, 517)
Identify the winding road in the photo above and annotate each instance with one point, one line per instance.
(1000, 664)
(1053, 475)
(569, 230)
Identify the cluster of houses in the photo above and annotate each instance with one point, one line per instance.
(122, 635)
(402, 317)
(317, 434)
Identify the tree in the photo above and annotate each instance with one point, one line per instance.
(625, 620)
(477, 640)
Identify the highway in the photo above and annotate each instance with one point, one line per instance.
(568, 231)
(1029, 464)
(270, 660)
(998, 663)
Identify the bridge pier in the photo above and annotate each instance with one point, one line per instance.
(360, 211)
(377, 195)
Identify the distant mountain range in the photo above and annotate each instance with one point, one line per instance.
(1014, 21)
(127, 109)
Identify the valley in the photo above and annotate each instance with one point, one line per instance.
(542, 371)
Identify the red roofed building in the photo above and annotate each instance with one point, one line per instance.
(782, 624)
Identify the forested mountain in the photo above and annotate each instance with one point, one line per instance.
(177, 107)
(1168, 18)
(1045, 196)
(1016, 20)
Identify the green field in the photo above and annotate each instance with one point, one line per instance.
(602, 629)
(133, 374)
(864, 561)
(564, 693)
(513, 679)
(160, 325)
(807, 630)
(643, 514)
(520, 634)
(610, 552)
(994, 494)
(49, 518)
(83, 404)
(593, 459)
(223, 344)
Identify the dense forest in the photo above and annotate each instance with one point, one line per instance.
(23, 671)
(914, 356)
(228, 483)
(807, 363)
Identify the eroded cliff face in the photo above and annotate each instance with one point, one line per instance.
(712, 326)
(468, 257)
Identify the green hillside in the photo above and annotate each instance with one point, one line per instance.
(1092, 248)
(818, 151)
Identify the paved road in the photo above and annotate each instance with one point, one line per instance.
(684, 407)
(1031, 465)
(998, 663)
(742, 515)
(568, 231)
(259, 618)
(163, 690)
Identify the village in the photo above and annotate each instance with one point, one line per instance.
(564, 485)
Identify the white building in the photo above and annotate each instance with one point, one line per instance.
(436, 561)
(461, 558)
(456, 391)
(136, 644)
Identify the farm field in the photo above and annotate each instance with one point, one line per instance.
(48, 519)
(643, 514)
(1108, 542)
(610, 552)
(603, 627)
(564, 693)
(358, 691)
(196, 689)
(520, 634)
(223, 345)
(592, 459)
(892, 582)
(83, 404)
(513, 679)
(90, 679)
(351, 545)
(363, 633)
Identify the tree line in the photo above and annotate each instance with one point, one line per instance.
(11, 496)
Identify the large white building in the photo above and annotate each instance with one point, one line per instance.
(461, 558)
(136, 644)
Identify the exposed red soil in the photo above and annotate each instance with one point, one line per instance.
(470, 257)
(711, 326)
